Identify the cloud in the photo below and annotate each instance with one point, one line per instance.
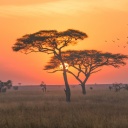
(24, 2)
(65, 7)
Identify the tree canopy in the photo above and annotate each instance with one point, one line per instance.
(87, 59)
(50, 42)
(86, 62)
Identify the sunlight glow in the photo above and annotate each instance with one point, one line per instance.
(102, 20)
(65, 7)
(66, 66)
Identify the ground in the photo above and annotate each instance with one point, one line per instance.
(30, 107)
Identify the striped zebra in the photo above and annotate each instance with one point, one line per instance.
(43, 86)
(7, 84)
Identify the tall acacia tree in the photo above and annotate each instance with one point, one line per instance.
(50, 42)
(86, 62)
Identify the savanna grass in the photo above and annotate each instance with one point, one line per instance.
(31, 108)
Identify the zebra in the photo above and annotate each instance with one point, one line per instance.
(126, 87)
(15, 87)
(43, 86)
(117, 86)
(7, 84)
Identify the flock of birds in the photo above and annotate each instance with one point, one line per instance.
(117, 41)
(118, 44)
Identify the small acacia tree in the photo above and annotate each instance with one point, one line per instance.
(50, 42)
(86, 62)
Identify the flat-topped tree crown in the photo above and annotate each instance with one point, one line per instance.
(85, 63)
(88, 58)
(48, 40)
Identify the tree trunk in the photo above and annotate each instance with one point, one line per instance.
(67, 90)
(83, 88)
(68, 94)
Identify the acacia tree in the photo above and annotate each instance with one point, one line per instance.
(86, 63)
(50, 42)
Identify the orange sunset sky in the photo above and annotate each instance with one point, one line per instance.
(104, 21)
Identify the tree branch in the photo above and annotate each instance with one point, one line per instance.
(74, 75)
(55, 71)
(95, 71)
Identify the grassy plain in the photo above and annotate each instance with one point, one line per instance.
(29, 107)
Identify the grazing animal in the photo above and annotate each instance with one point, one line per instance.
(4, 89)
(91, 88)
(43, 86)
(126, 86)
(15, 87)
(118, 86)
(110, 87)
(7, 84)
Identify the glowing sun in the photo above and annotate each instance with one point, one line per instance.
(66, 66)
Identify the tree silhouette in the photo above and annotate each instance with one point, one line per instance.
(50, 42)
(86, 62)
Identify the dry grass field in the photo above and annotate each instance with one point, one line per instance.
(29, 107)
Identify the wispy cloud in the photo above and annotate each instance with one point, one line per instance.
(24, 2)
(67, 7)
